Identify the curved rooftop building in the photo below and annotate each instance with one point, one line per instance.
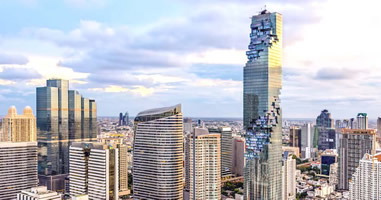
(158, 154)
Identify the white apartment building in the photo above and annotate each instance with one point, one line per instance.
(366, 181)
(289, 179)
(203, 154)
(94, 170)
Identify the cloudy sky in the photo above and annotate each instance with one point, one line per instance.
(132, 55)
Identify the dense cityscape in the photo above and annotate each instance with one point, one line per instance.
(62, 148)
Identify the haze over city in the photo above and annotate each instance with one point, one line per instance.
(133, 55)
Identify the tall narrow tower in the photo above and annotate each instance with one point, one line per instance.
(261, 89)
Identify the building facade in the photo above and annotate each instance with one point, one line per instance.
(366, 180)
(18, 168)
(158, 154)
(307, 140)
(238, 156)
(262, 82)
(324, 120)
(63, 117)
(289, 178)
(94, 170)
(19, 128)
(226, 150)
(203, 167)
(362, 121)
(354, 143)
(327, 138)
(327, 158)
(296, 137)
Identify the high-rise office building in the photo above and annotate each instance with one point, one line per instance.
(38, 193)
(226, 150)
(203, 167)
(366, 180)
(19, 128)
(126, 119)
(63, 117)
(327, 138)
(296, 137)
(324, 120)
(262, 82)
(289, 178)
(94, 170)
(327, 158)
(120, 119)
(362, 121)
(324, 131)
(18, 168)
(158, 154)
(307, 140)
(238, 156)
(354, 143)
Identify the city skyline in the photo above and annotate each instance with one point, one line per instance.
(190, 57)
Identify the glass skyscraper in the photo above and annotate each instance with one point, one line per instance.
(63, 116)
(261, 88)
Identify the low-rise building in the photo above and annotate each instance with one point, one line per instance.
(38, 193)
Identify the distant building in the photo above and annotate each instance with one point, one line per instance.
(63, 116)
(354, 143)
(203, 154)
(327, 138)
(126, 119)
(352, 123)
(366, 180)
(158, 154)
(289, 178)
(307, 138)
(120, 119)
(327, 158)
(94, 170)
(38, 193)
(187, 125)
(379, 127)
(18, 168)
(342, 124)
(226, 150)
(324, 120)
(238, 156)
(296, 137)
(19, 128)
(362, 121)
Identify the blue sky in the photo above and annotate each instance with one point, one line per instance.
(133, 55)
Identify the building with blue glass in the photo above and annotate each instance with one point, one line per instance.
(262, 117)
(63, 116)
